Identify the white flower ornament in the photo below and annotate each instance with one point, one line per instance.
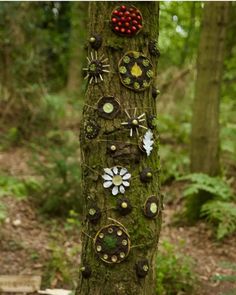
(117, 178)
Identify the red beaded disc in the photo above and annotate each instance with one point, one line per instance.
(126, 20)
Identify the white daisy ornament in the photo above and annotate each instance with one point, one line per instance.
(116, 178)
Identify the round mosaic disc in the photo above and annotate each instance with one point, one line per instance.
(126, 20)
(91, 129)
(108, 107)
(112, 243)
(151, 207)
(135, 71)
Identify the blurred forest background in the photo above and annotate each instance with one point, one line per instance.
(42, 53)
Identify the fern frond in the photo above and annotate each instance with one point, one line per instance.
(223, 214)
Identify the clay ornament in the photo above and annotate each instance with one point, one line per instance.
(153, 48)
(91, 129)
(126, 21)
(146, 175)
(142, 268)
(116, 178)
(134, 122)
(95, 41)
(108, 107)
(123, 206)
(96, 68)
(151, 207)
(155, 92)
(94, 213)
(135, 71)
(151, 121)
(86, 271)
(112, 243)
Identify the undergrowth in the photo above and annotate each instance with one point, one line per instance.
(220, 208)
(174, 272)
(59, 170)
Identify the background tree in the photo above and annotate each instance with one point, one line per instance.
(205, 142)
(144, 233)
(78, 18)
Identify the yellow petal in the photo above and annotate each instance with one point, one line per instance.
(136, 70)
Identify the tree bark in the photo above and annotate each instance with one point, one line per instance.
(205, 121)
(121, 278)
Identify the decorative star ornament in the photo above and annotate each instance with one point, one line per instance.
(96, 68)
(134, 122)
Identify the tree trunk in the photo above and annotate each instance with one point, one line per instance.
(77, 38)
(205, 121)
(113, 146)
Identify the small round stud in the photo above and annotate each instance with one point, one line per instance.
(114, 258)
(113, 148)
(110, 230)
(122, 254)
(105, 256)
(124, 242)
(92, 211)
(119, 233)
(124, 205)
(99, 248)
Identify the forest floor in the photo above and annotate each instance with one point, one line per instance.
(26, 238)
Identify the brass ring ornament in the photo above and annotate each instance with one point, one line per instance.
(112, 243)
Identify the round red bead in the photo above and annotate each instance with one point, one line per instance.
(127, 24)
(117, 28)
(123, 7)
(116, 12)
(134, 22)
(122, 30)
(131, 9)
(122, 19)
(121, 13)
(139, 17)
(119, 23)
(133, 15)
(128, 18)
(127, 13)
(133, 29)
(140, 26)
(128, 31)
(114, 20)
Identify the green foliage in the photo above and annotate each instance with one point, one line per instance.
(11, 186)
(174, 272)
(3, 213)
(179, 27)
(73, 221)
(219, 208)
(223, 214)
(60, 185)
(203, 182)
(60, 264)
(174, 158)
(174, 163)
